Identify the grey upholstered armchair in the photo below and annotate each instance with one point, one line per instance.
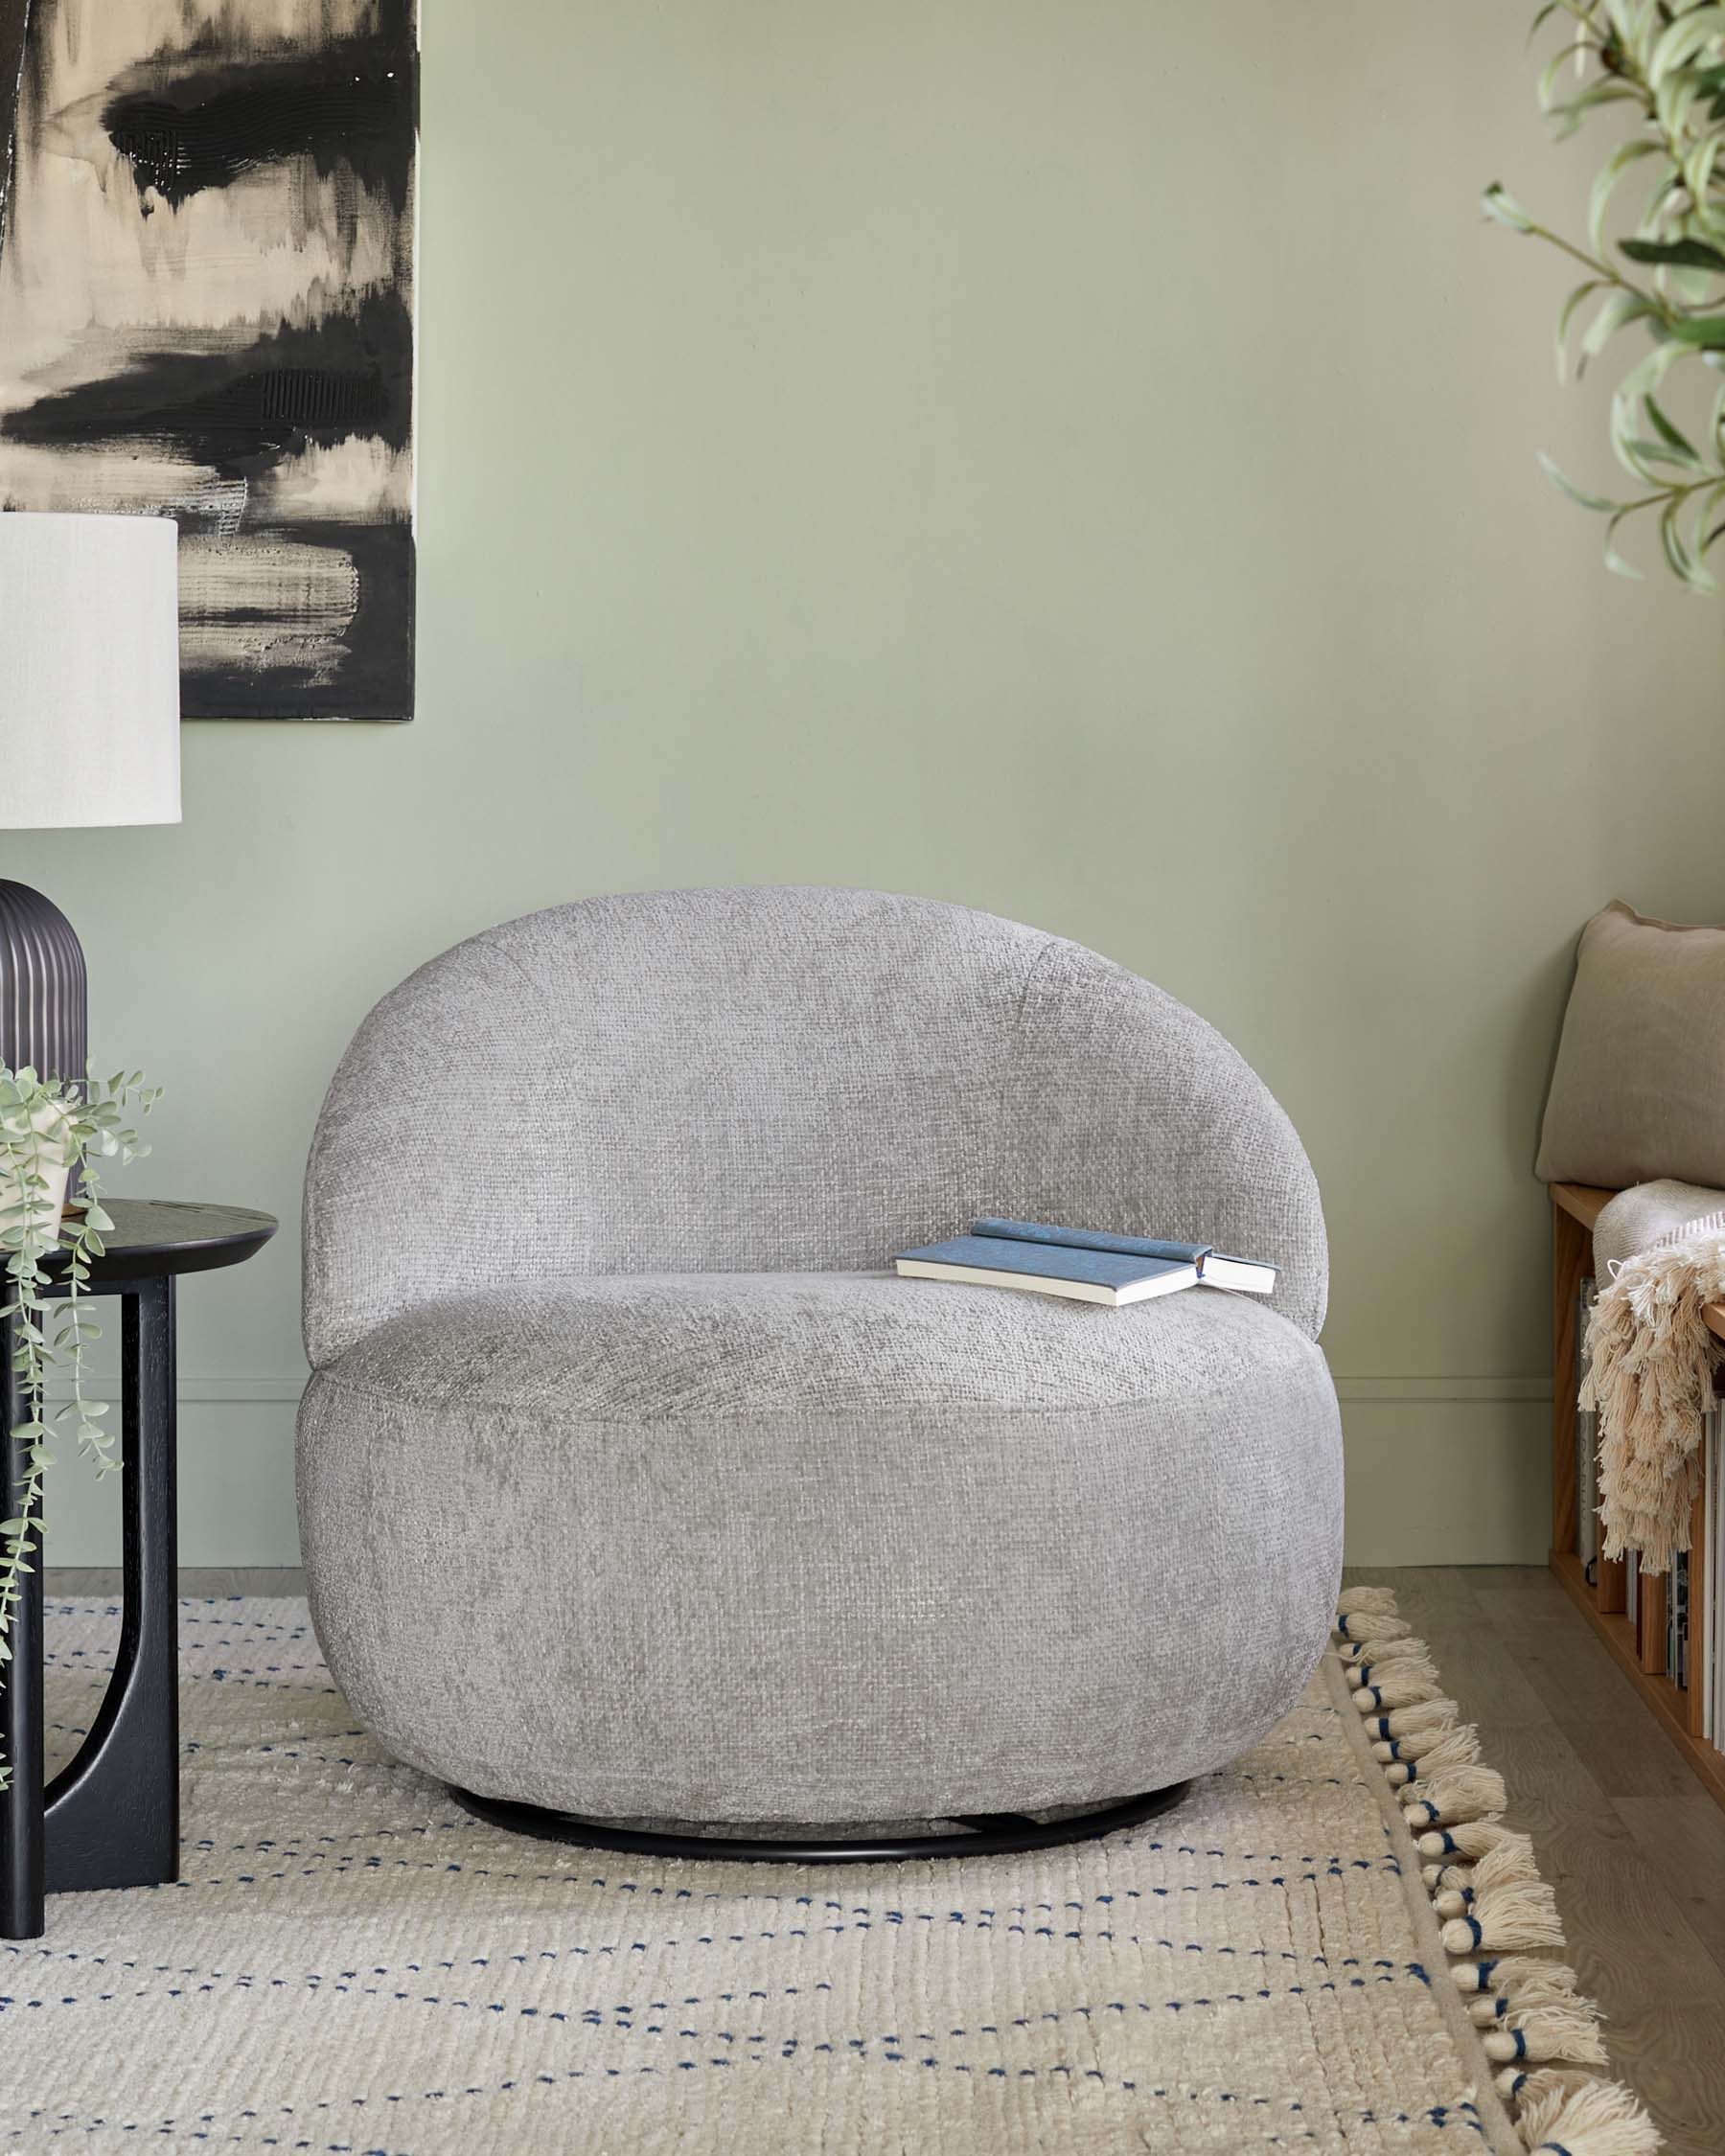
(634, 1486)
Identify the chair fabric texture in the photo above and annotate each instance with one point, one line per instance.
(634, 1483)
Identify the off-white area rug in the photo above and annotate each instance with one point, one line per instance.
(351, 1962)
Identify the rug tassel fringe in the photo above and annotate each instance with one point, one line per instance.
(1402, 1653)
(1354, 1601)
(1594, 2119)
(1522, 1914)
(1454, 1795)
(1512, 2082)
(1507, 1862)
(1486, 1891)
(1366, 1627)
(1569, 2031)
(1455, 1899)
(1411, 1720)
(1406, 1746)
(1454, 1891)
(1518, 1980)
(1416, 1758)
(1470, 1838)
(1405, 1682)
(1376, 1650)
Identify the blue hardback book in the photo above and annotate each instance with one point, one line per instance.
(1089, 1264)
(1091, 1239)
(1216, 1268)
(991, 1261)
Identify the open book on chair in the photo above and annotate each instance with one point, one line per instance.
(1087, 1265)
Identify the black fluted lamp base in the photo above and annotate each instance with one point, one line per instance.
(44, 996)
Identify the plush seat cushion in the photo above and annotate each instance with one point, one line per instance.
(713, 1346)
(820, 1546)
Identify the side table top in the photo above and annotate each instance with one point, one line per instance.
(153, 1236)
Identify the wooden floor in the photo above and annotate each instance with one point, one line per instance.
(1621, 1827)
(1622, 1830)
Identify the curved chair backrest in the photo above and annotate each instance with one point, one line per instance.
(774, 1079)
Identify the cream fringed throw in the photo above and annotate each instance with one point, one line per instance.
(1651, 1359)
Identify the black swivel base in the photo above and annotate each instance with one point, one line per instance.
(977, 1833)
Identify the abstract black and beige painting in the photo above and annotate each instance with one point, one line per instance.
(206, 310)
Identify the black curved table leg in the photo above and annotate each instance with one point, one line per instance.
(114, 1814)
(22, 1869)
(111, 1818)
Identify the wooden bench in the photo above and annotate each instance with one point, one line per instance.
(1639, 1649)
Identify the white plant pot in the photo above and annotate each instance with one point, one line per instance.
(43, 1213)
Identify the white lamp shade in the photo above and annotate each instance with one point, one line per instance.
(89, 671)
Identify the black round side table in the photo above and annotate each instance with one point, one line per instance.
(111, 1818)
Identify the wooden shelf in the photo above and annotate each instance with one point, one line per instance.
(1584, 1201)
(1669, 1706)
(1576, 1208)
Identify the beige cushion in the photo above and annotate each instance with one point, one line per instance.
(1638, 1091)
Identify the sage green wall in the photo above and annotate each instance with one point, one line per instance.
(1074, 459)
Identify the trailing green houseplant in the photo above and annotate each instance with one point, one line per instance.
(1660, 65)
(49, 1129)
